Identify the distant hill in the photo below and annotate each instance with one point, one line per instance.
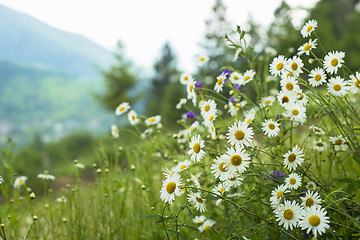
(23, 39)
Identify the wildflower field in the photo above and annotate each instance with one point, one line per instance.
(267, 151)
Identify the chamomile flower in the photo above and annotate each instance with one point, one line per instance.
(114, 131)
(301, 98)
(237, 54)
(240, 134)
(183, 165)
(270, 128)
(289, 85)
(185, 78)
(247, 77)
(233, 181)
(317, 77)
(267, 101)
(191, 91)
(196, 144)
(235, 78)
(221, 169)
(19, 181)
(319, 145)
(235, 107)
(310, 185)
(354, 83)
(249, 117)
(199, 219)
(122, 108)
(308, 28)
(314, 220)
(277, 65)
(207, 108)
(193, 126)
(316, 130)
(221, 188)
(333, 61)
(1, 180)
(294, 66)
(197, 201)
(288, 214)
(311, 199)
(46, 176)
(153, 120)
(195, 179)
(296, 112)
(237, 159)
(132, 116)
(171, 187)
(337, 86)
(212, 130)
(206, 225)
(307, 47)
(293, 181)
(181, 103)
(277, 194)
(220, 82)
(293, 158)
(203, 59)
(285, 98)
(339, 143)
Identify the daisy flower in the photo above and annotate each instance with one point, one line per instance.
(278, 193)
(337, 86)
(147, 132)
(277, 65)
(294, 66)
(206, 225)
(237, 54)
(220, 82)
(314, 220)
(240, 134)
(192, 127)
(221, 188)
(238, 159)
(235, 78)
(267, 101)
(316, 130)
(308, 28)
(132, 116)
(270, 128)
(183, 165)
(114, 131)
(235, 107)
(19, 181)
(170, 188)
(153, 120)
(247, 77)
(333, 61)
(233, 181)
(46, 176)
(354, 83)
(285, 97)
(293, 158)
(296, 112)
(203, 59)
(194, 178)
(221, 169)
(212, 130)
(207, 107)
(191, 91)
(317, 77)
(310, 185)
(199, 219)
(319, 145)
(249, 117)
(181, 103)
(197, 201)
(1, 180)
(196, 145)
(288, 214)
(311, 199)
(185, 78)
(339, 143)
(307, 47)
(289, 85)
(122, 108)
(293, 181)
(301, 98)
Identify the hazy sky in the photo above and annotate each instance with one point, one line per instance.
(144, 25)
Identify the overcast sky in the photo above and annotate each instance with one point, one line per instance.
(144, 25)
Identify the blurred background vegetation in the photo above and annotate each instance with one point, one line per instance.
(59, 91)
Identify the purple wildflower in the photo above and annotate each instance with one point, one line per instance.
(199, 84)
(226, 73)
(232, 99)
(278, 173)
(238, 86)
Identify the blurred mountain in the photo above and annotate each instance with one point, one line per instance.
(27, 40)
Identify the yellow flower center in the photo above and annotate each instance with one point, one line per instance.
(222, 168)
(319, 144)
(232, 179)
(246, 78)
(186, 78)
(235, 77)
(334, 62)
(289, 74)
(357, 83)
(294, 66)
(191, 88)
(289, 86)
(170, 187)
(199, 221)
(248, 121)
(236, 160)
(267, 102)
(182, 167)
(221, 190)
(288, 214)
(285, 99)
(317, 77)
(207, 227)
(122, 109)
(133, 117)
(153, 119)
(116, 130)
(199, 200)
(191, 129)
(207, 108)
(308, 29)
(20, 182)
(309, 202)
(271, 126)
(307, 47)
(338, 141)
(211, 118)
(212, 129)
(279, 194)
(314, 220)
(279, 66)
(292, 181)
(292, 157)
(337, 87)
(219, 81)
(295, 112)
(202, 59)
(196, 148)
(311, 186)
(239, 135)
(299, 96)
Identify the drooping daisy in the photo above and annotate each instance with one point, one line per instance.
(285, 98)
(207, 108)
(354, 83)
(183, 165)
(277, 194)
(294, 66)
(235, 107)
(147, 132)
(122, 108)
(307, 47)
(191, 91)
(185, 78)
(197, 201)
(316, 130)
(319, 145)
(293, 158)
(195, 179)
(308, 28)
(132, 116)
(267, 101)
(46, 176)
(233, 181)
(171, 187)
(206, 225)
(221, 169)
(237, 54)
(19, 181)
(277, 65)
(270, 128)
(297, 112)
(317, 77)
(114, 131)
(249, 117)
(310, 185)
(220, 82)
(196, 144)
(311, 199)
(337, 86)
(288, 214)
(247, 77)
(181, 103)
(221, 188)
(153, 120)
(314, 220)
(237, 159)
(293, 181)
(193, 126)
(339, 143)
(199, 219)
(212, 131)
(235, 78)
(333, 61)
(240, 134)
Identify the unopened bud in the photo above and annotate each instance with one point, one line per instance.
(35, 217)
(32, 195)
(98, 171)
(218, 202)
(311, 61)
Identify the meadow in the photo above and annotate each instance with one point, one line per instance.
(268, 151)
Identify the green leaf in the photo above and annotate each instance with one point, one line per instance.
(357, 196)
(177, 233)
